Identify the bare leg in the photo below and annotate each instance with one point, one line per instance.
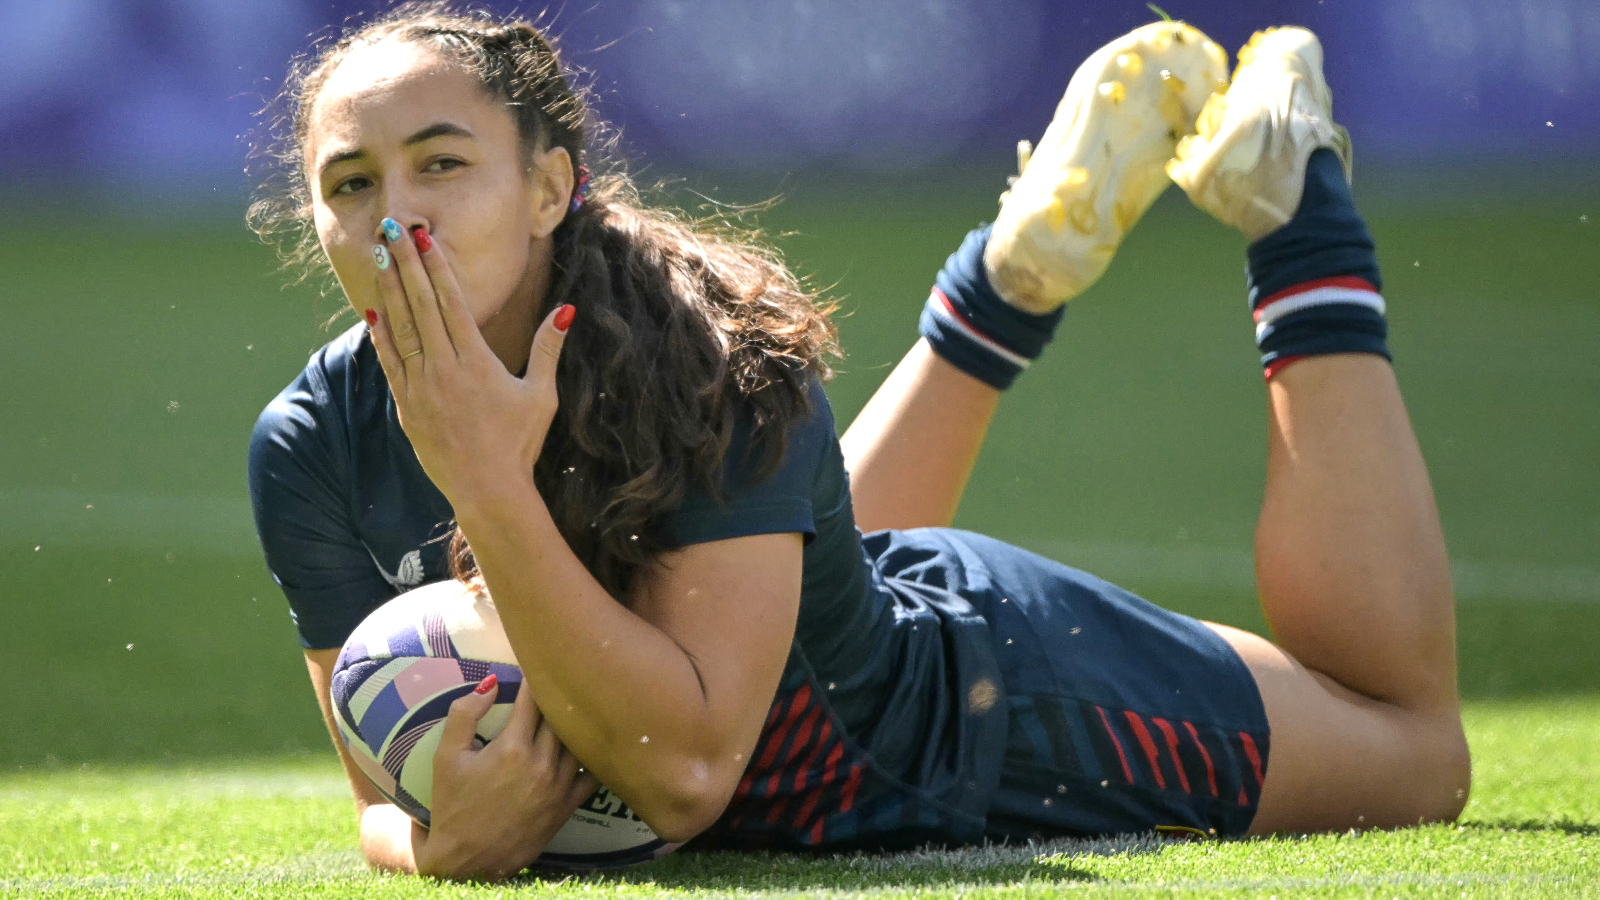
(910, 450)
(1360, 691)
(1104, 154)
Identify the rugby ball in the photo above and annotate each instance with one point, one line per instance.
(393, 684)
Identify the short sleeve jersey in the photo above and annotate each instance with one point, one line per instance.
(873, 740)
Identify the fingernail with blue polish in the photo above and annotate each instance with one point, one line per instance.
(380, 255)
(391, 229)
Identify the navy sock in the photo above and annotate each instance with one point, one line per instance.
(1314, 283)
(968, 324)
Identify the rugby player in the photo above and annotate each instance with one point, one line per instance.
(615, 419)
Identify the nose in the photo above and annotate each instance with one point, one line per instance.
(399, 207)
(396, 224)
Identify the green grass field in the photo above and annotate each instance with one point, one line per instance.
(282, 827)
(163, 740)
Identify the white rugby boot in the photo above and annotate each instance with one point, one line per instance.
(1247, 164)
(1101, 162)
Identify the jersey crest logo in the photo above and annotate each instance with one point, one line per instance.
(409, 573)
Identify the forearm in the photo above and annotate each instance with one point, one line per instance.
(388, 836)
(390, 840)
(641, 719)
(911, 449)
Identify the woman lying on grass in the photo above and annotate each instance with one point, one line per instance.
(621, 412)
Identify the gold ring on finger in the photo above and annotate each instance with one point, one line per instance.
(406, 356)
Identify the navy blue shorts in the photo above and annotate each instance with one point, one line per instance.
(1123, 717)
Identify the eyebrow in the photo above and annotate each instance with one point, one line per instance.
(437, 129)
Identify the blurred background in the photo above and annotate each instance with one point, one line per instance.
(142, 327)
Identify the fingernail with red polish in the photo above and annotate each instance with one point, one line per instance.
(486, 685)
(564, 317)
(372, 318)
(423, 239)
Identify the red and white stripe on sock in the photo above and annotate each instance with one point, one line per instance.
(1280, 309)
(940, 306)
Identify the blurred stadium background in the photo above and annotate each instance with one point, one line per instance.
(142, 328)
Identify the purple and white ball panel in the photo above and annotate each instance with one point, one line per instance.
(392, 688)
(399, 713)
(444, 619)
(400, 671)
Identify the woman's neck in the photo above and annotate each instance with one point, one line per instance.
(510, 329)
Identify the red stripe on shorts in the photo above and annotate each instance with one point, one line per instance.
(1143, 734)
(1172, 747)
(1255, 757)
(1106, 720)
(1211, 771)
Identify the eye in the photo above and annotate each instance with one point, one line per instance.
(351, 185)
(443, 164)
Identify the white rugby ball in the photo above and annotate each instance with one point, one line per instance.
(393, 684)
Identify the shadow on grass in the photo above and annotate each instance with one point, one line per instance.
(1007, 864)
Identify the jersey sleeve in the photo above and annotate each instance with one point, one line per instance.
(298, 493)
(777, 504)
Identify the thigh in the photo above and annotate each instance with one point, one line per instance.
(1343, 760)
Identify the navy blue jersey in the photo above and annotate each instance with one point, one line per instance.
(346, 516)
(889, 726)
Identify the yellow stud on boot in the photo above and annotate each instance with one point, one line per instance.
(1247, 163)
(1100, 164)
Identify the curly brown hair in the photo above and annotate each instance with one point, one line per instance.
(684, 326)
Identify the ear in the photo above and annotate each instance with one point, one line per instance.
(553, 181)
